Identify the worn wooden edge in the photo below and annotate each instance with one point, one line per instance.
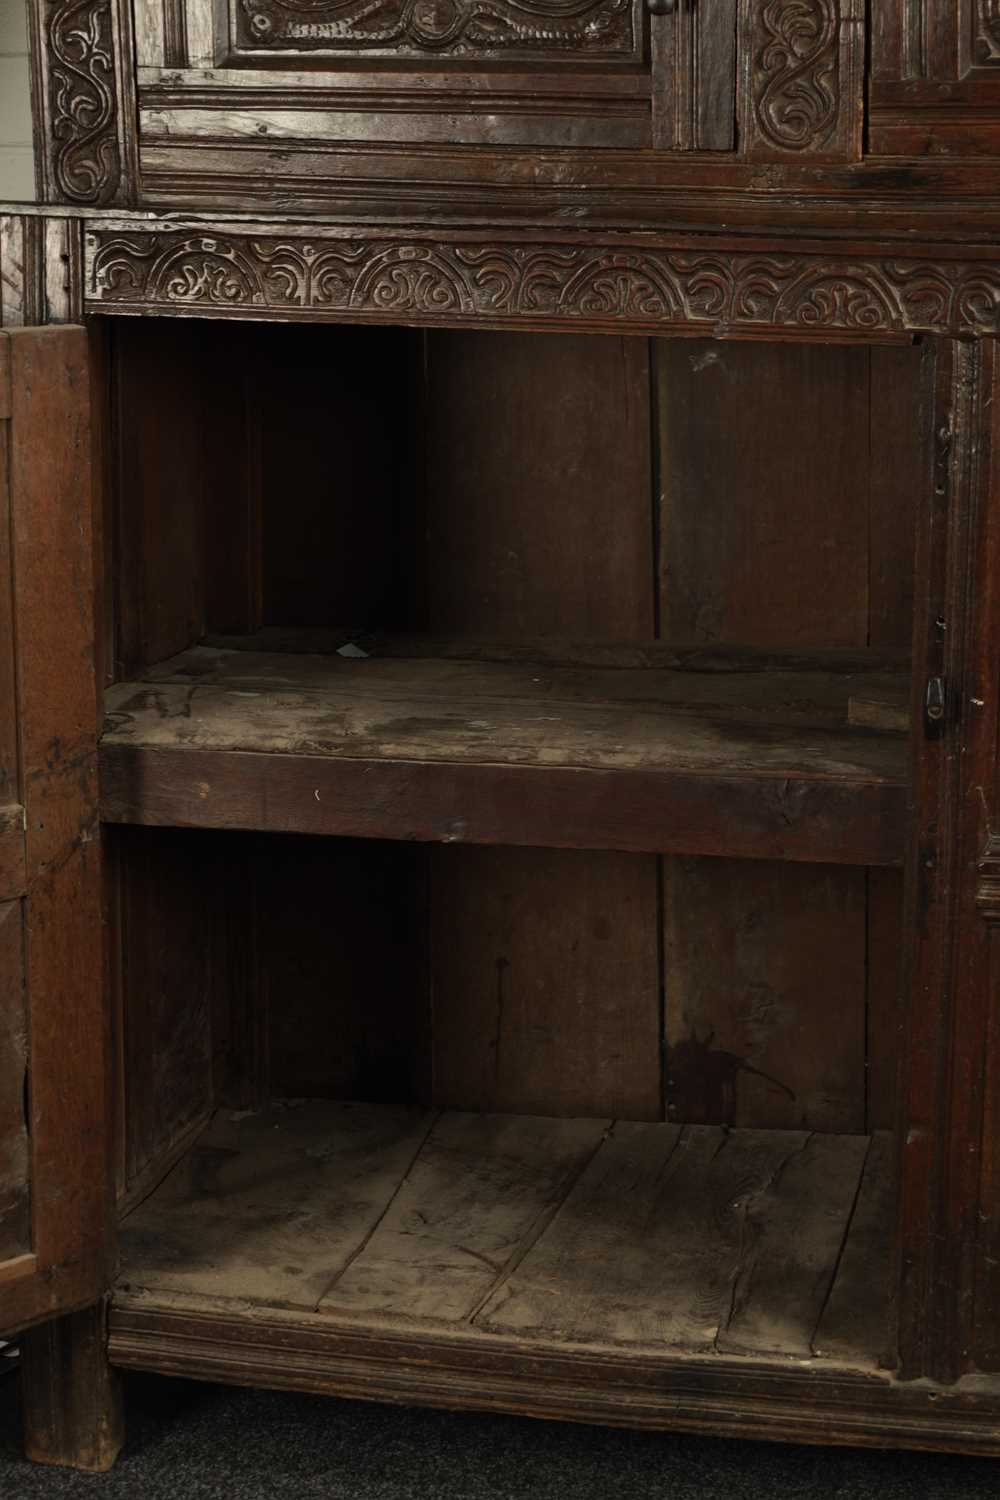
(148, 1179)
(13, 870)
(50, 488)
(913, 200)
(41, 258)
(958, 217)
(722, 1395)
(837, 822)
(31, 1293)
(988, 888)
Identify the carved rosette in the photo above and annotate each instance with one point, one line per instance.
(427, 280)
(84, 155)
(602, 28)
(795, 83)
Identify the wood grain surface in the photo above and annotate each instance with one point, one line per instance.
(537, 1232)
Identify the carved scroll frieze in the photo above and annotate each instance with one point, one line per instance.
(81, 127)
(803, 72)
(599, 28)
(291, 275)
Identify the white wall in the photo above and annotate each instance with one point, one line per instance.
(17, 171)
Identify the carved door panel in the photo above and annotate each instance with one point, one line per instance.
(768, 79)
(54, 1140)
(935, 78)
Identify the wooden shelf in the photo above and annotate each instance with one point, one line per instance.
(642, 749)
(654, 1239)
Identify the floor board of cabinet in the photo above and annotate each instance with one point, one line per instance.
(650, 1238)
(697, 752)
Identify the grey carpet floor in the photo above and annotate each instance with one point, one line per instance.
(199, 1442)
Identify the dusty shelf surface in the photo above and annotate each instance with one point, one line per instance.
(650, 1239)
(686, 752)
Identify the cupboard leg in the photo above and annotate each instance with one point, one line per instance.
(70, 1395)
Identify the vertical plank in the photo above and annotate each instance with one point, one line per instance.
(160, 443)
(331, 461)
(694, 78)
(12, 270)
(896, 480)
(928, 894)
(149, 34)
(855, 1317)
(51, 497)
(15, 1224)
(965, 1284)
(898, 415)
(9, 779)
(885, 996)
(341, 969)
(537, 522)
(537, 514)
(794, 1235)
(741, 431)
(545, 986)
(100, 345)
(233, 480)
(170, 904)
(199, 20)
(715, 76)
(740, 427)
(765, 971)
(61, 250)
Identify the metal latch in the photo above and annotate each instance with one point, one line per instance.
(935, 703)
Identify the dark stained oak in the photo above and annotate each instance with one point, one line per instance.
(766, 966)
(442, 745)
(71, 1396)
(15, 1221)
(513, 1229)
(544, 981)
(713, 967)
(53, 1005)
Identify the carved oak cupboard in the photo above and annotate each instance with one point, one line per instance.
(499, 870)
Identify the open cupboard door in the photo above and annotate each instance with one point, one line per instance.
(55, 1233)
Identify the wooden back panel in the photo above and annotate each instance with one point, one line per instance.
(560, 486)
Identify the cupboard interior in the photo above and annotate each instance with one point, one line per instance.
(464, 1020)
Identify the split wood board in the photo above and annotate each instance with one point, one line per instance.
(650, 1237)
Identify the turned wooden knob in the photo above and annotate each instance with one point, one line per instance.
(661, 7)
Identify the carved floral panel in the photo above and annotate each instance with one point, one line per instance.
(384, 279)
(553, 29)
(83, 161)
(803, 70)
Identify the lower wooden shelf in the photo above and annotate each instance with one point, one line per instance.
(642, 1275)
(692, 753)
